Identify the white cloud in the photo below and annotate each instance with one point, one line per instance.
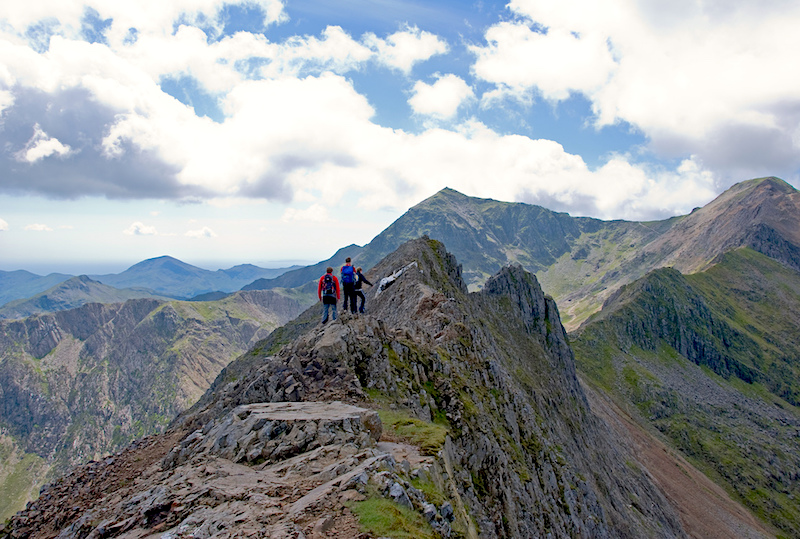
(442, 98)
(403, 49)
(204, 232)
(37, 227)
(316, 213)
(296, 129)
(41, 146)
(140, 229)
(3, 225)
(146, 16)
(706, 78)
(557, 63)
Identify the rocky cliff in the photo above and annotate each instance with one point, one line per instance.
(77, 384)
(485, 431)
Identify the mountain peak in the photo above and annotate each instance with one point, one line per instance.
(768, 182)
(158, 262)
(763, 213)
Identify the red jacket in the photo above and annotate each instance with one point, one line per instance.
(335, 286)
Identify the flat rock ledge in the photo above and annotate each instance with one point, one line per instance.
(270, 432)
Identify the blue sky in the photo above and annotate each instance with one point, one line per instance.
(268, 132)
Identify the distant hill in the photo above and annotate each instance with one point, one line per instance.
(21, 284)
(70, 294)
(171, 277)
(164, 276)
(80, 383)
(302, 276)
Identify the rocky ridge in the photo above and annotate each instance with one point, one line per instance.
(522, 455)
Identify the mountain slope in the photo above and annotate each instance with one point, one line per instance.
(711, 361)
(77, 384)
(71, 294)
(514, 450)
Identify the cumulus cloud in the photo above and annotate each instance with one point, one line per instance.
(3, 225)
(519, 57)
(41, 146)
(140, 229)
(690, 76)
(442, 98)
(405, 48)
(293, 127)
(204, 232)
(38, 227)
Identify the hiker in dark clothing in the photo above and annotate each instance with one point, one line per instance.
(360, 280)
(328, 292)
(348, 285)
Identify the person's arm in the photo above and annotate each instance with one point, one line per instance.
(319, 288)
(336, 284)
(365, 280)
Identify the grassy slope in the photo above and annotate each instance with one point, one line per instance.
(21, 475)
(742, 311)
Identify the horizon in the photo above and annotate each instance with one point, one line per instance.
(260, 130)
(113, 267)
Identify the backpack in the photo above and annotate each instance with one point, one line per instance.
(327, 285)
(348, 274)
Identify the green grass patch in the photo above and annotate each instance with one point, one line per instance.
(429, 437)
(22, 481)
(384, 518)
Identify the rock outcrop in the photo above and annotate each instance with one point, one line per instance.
(521, 454)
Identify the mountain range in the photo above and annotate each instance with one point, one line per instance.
(159, 277)
(684, 336)
(579, 260)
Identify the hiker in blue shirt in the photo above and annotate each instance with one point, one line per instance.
(360, 280)
(348, 279)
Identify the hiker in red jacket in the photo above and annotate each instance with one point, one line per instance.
(328, 292)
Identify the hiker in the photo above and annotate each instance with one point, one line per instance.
(348, 284)
(328, 292)
(360, 280)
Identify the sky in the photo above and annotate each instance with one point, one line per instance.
(272, 132)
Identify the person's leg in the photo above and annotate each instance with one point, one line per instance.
(361, 299)
(353, 307)
(333, 305)
(325, 312)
